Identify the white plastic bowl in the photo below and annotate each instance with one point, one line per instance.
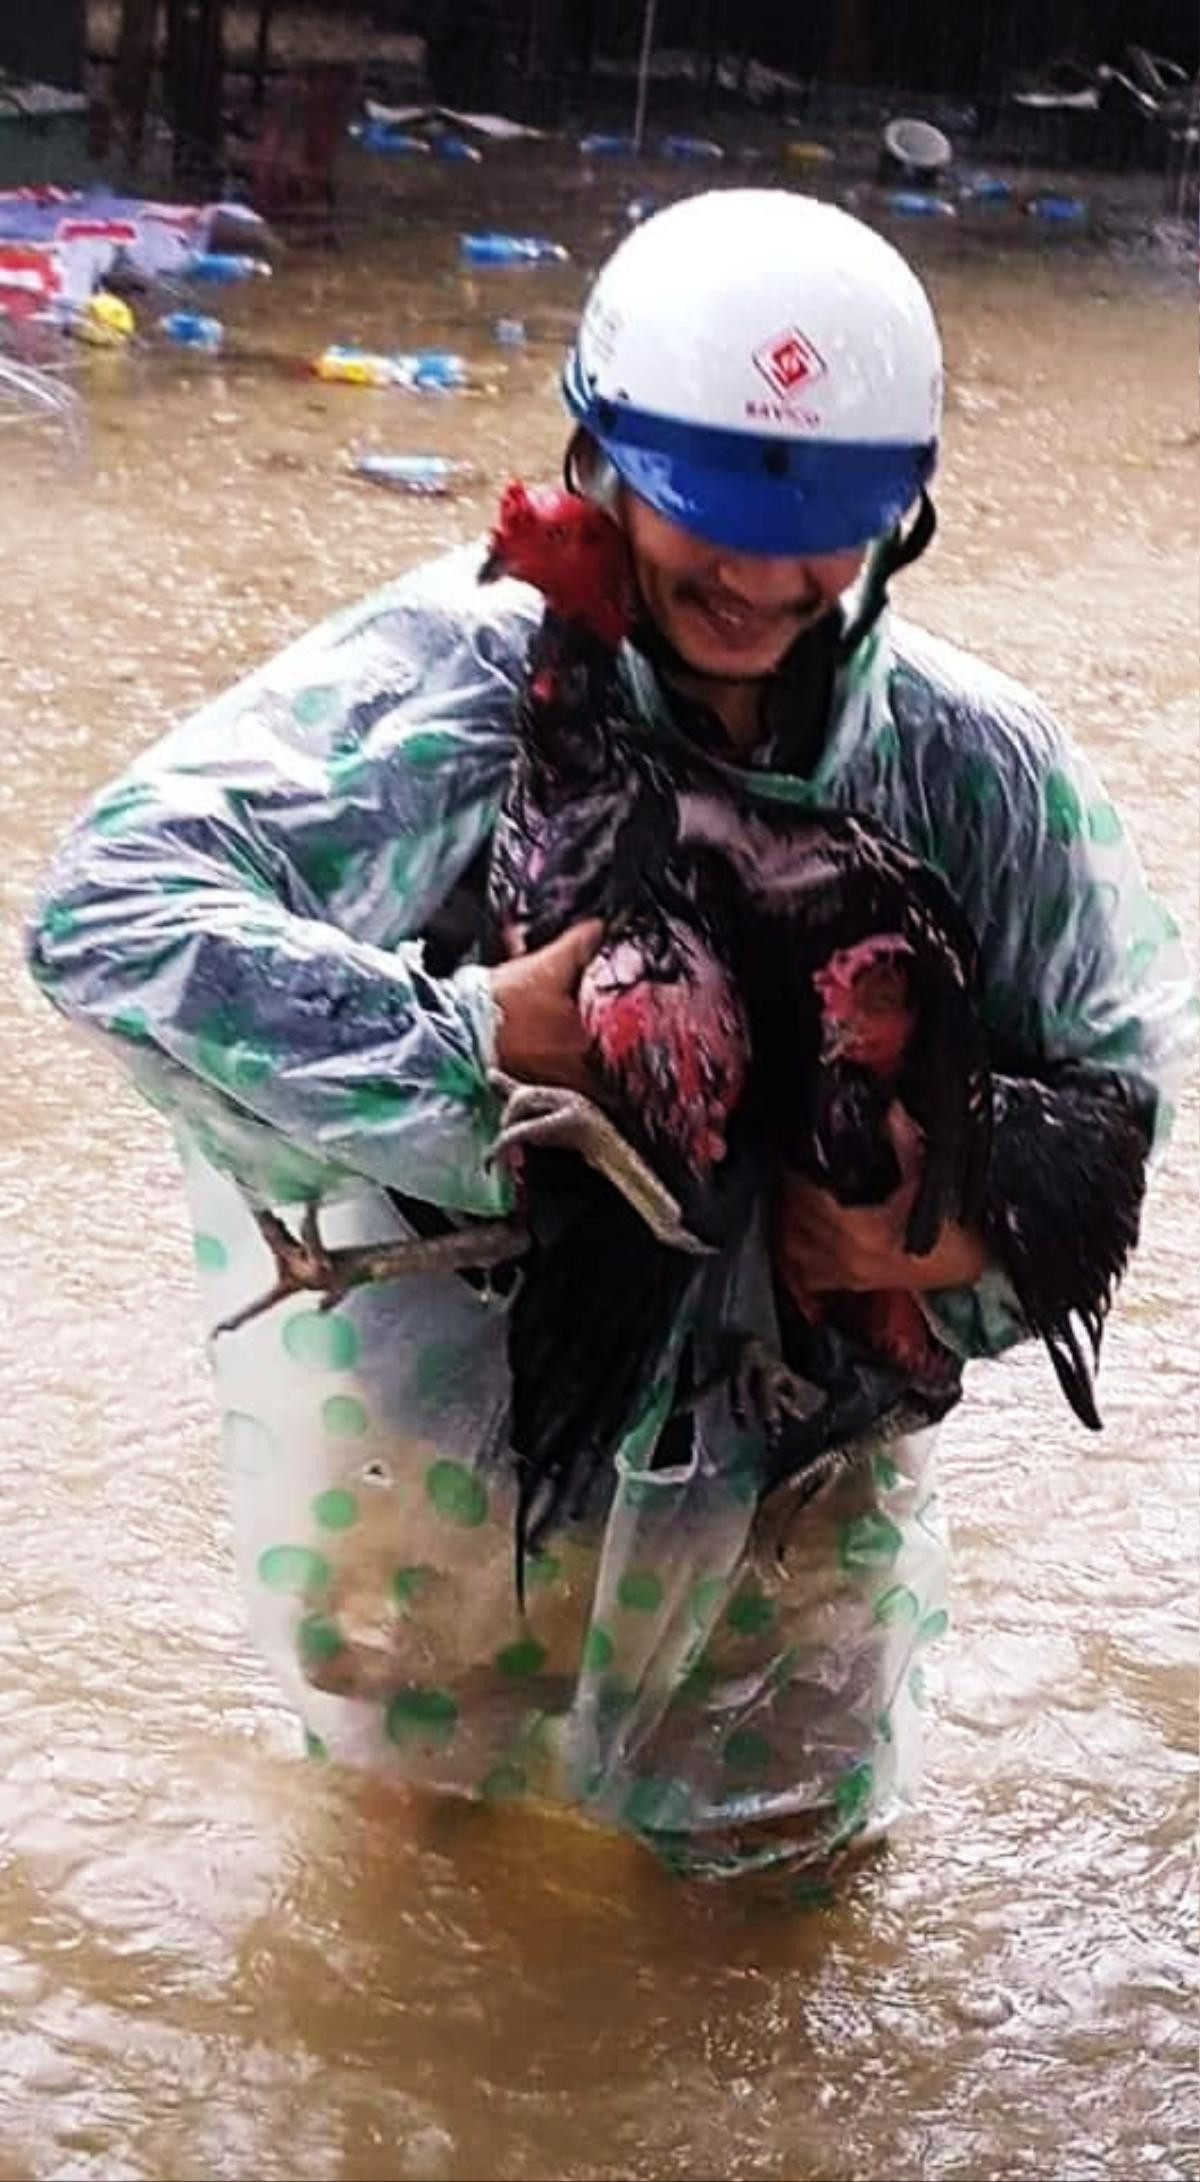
(917, 145)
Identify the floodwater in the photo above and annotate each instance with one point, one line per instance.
(218, 1960)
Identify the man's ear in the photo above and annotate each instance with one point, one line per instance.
(588, 472)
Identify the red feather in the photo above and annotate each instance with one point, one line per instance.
(570, 551)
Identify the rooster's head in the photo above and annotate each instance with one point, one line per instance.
(570, 551)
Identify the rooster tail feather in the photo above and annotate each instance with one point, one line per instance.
(1063, 1208)
(1073, 1371)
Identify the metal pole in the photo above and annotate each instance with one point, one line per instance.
(639, 118)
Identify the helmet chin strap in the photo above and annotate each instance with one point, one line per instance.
(897, 550)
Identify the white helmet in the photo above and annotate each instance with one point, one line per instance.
(762, 369)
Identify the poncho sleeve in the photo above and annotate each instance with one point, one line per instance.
(238, 912)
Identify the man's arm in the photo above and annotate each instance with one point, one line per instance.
(238, 914)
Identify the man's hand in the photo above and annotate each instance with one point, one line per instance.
(539, 1037)
(821, 1244)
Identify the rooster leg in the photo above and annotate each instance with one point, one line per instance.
(303, 1261)
(550, 1118)
(762, 1390)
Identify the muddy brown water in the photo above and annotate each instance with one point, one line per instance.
(217, 1960)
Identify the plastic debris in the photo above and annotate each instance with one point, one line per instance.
(493, 249)
(382, 136)
(223, 265)
(601, 146)
(917, 204)
(105, 321)
(446, 145)
(498, 127)
(95, 232)
(803, 152)
(691, 147)
(425, 475)
(1064, 210)
(987, 189)
(916, 147)
(192, 330)
(33, 280)
(419, 371)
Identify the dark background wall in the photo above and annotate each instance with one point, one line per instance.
(960, 47)
(43, 39)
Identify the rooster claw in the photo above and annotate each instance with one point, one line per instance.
(303, 1262)
(550, 1117)
(763, 1392)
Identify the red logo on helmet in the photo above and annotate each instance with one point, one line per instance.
(789, 361)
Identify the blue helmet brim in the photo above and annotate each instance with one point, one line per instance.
(752, 493)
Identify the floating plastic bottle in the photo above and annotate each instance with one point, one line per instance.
(510, 333)
(987, 189)
(446, 145)
(380, 136)
(691, 147)
(1065, 210)
(224, 265)
(425, 475)
(419, 371)
(191, 330)
(916, 204)
(804, 151)
(491, 249)
(606, 147)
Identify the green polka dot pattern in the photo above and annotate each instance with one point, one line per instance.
(747, 1753)
(309, 706)
(318, 1638)
(335, 1509)
(598, 1649)
(640, 1590)
(852, 1795)
(1064, 811)
(868, 1542)
(321, 1341)
(979, 784)
(114, 814)
(442, 1368)
(656, 1806)
(897, 1604)
(411, 1582)
(251, 1448)
(1104, 825)
(706, 1594)
(751, 1612)
(344, 1416)
(525, 1656)
(296, 1569)
(456, 1493)
(503, 1782)
(420, 1715)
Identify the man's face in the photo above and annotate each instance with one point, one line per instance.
(725, 613)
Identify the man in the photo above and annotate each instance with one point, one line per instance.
(756, 388)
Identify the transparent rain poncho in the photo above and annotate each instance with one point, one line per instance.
(738, 1683)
